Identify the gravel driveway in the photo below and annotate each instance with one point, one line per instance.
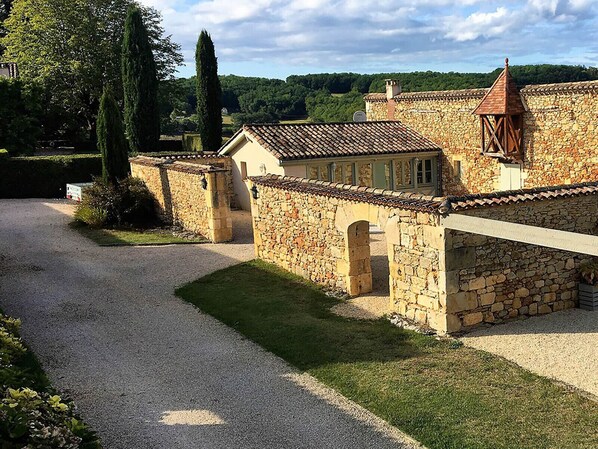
(561, 345)
(146, 369)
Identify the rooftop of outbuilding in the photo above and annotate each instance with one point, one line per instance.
(288, 142)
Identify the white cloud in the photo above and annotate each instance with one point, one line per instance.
(359, 36)
(486, 25)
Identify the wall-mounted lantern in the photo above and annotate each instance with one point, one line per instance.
(254, 192)
(204, 183)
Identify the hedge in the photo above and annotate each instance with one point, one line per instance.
(45, 176)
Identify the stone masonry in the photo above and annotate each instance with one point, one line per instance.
(442, 278)
(491, 280)
(559, 133)
(191, 195)
(320, 231)
(213, 160)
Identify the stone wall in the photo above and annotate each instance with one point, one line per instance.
(491, 280)
(320, 231)
(224, 162)
(560, 134)
(416, 243)
(441, 278)
(297, 232)
(181, 196)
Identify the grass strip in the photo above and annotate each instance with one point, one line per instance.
(128, 237)
(443, 394)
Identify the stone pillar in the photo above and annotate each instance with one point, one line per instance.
(220, 221)
(357, 250)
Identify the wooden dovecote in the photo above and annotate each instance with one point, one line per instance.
(501, 119)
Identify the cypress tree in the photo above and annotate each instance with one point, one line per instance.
(140, 84)
(209, 108)
(111, 140)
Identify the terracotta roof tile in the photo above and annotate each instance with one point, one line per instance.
(326, 140)
(419, 202)
(502, 98)
(519, 196)
(369, 195)
(186, 167)
(578, 86)
(531, 89)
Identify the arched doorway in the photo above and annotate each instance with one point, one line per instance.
(359, 277)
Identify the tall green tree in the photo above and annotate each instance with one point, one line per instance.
(19, 115)
(5, 7)
(209, 109)
(71, 48)
(140, 86)
(111, 140)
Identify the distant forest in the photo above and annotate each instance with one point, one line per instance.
(331, 97)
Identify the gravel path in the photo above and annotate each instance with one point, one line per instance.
(146, 369)
(562, 345)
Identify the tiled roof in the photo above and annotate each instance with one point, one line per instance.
(375, 96)
(579, 86)
(185, 167)
(430, 95)
(473, 201)
(326, 140)
(531, 89)
(380, 197)
(424, 203)
(503, 97)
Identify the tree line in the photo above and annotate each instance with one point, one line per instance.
(329, 97)
(62, 80)
(72, 53)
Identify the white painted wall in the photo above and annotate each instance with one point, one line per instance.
(254, 155)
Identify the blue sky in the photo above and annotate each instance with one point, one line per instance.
(277, 38)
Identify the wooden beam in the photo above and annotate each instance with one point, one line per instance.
(494, 137)
(533, 235)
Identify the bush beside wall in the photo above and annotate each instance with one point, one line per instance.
(45, 176)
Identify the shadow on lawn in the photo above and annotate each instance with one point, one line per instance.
(291, 318)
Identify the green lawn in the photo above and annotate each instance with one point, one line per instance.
(126, 237)
(441, 393)
(296, 121)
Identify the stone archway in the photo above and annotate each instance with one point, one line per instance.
(353, 221)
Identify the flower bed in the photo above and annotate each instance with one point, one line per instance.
(32, 415)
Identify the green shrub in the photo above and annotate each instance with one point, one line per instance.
(11, 347)
(43, 420)
(240, 119)
(192, 142)
(46, 176)
(20, 112)
(31, 414)
(3, 154)
(91, 216)
(128, 202)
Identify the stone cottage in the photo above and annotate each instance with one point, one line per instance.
(502, 138)
(487, 198)
(386, 155)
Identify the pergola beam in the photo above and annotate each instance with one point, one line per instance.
(533, 235)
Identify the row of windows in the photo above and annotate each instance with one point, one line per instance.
(393, 174)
